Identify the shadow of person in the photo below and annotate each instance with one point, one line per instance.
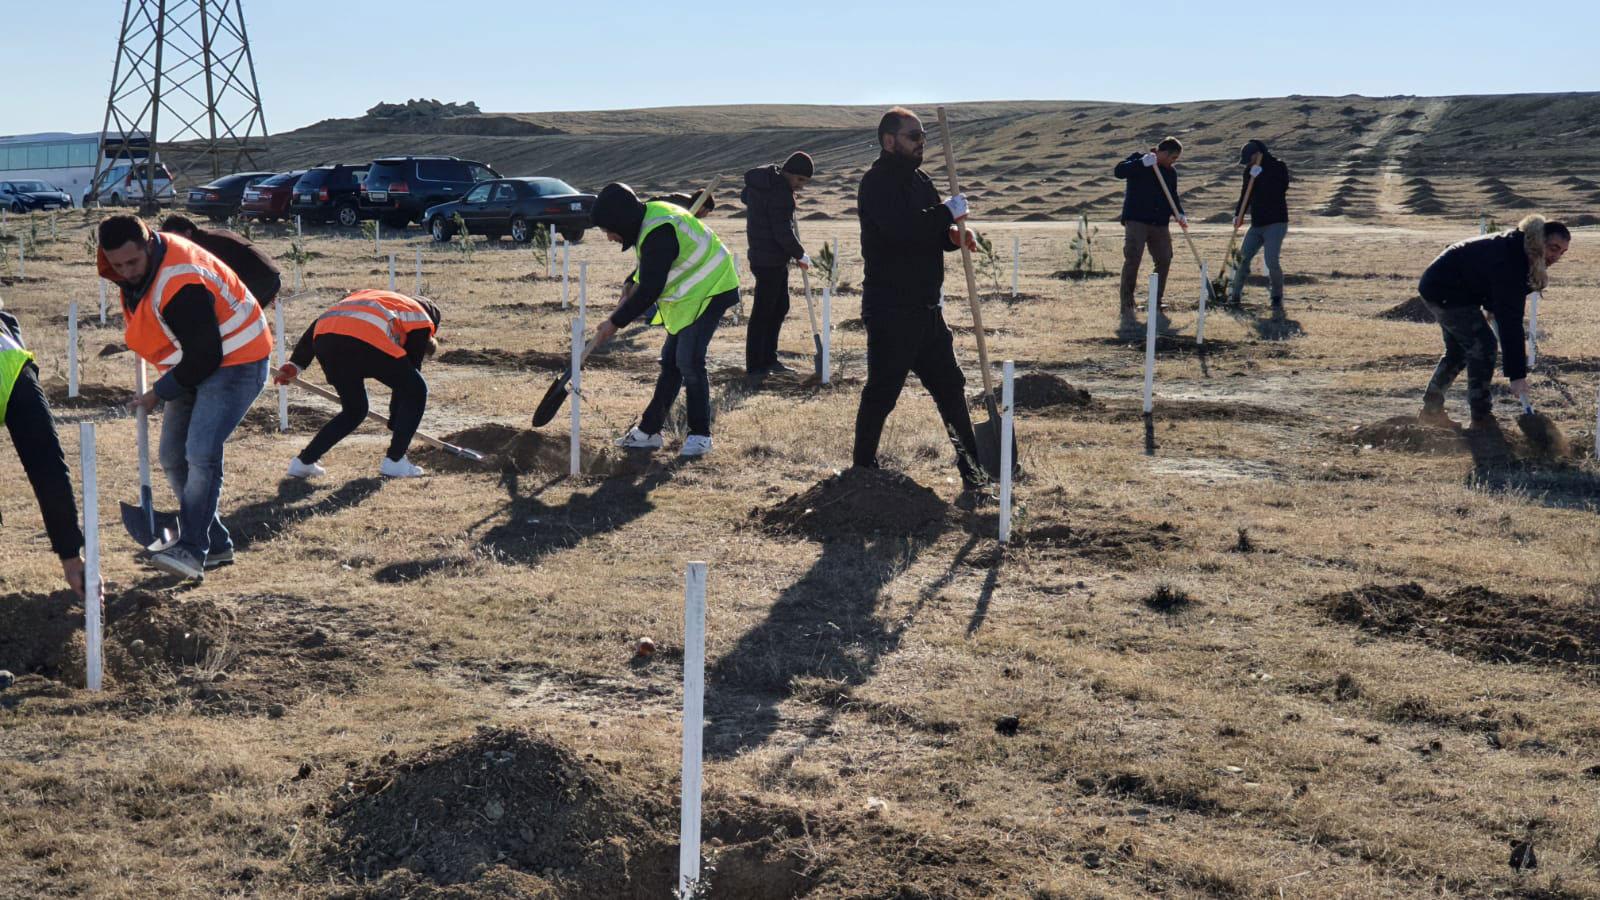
(1276, 325)
(532, 528)
(824, 626)
(1554, 483)
(266, 519)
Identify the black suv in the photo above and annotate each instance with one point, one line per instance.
(330, 193)
(398, 190)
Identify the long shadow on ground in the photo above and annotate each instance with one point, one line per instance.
(534, 529)
(266, 519)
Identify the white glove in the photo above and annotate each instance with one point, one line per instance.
(957, 206)
(805, 261)
(1255, 171)
(1149, 159)
(1183, 220)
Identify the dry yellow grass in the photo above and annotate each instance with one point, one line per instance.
(1246, 746)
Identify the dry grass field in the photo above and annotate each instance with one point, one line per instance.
(1292, 652)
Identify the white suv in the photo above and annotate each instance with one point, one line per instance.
(124, 183)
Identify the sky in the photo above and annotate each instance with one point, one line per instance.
(317, 60)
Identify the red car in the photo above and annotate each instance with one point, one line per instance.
(269, 200)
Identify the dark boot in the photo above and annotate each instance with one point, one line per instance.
(1433, 412)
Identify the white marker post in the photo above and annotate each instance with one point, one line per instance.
(22, 255)
(575, 385)
(299, 282)
(566, 259)
(72, 349)
(419, 272)
(1533, 328)
(377, 236)
(694, 690)
(827, 334)
(833, 273)
(1006, 463)
(283, 357)
(549, 250)
(391, 272)
(102, 300)
(1150, 344)
(93, 633)
(1016, 263)
(297, 231)
(1205, 292)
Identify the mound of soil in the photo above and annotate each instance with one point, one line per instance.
(1041, 390)
(1413, 310)
(90, 396)
(43, 635)
(1408, 434)
(504, 796)
(857, 503)
(1073, 275)
(263, 417)
(1473, 621)
(1037, 217)
(514, 450)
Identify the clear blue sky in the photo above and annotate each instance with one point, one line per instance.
(332, 58)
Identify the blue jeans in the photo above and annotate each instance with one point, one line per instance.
(1257, 238)
(683, 365)
(193, 429)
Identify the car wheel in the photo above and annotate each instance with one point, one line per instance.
(348, 215)
(519, 230)
(440, 229)
(572, 235)
(17, 208)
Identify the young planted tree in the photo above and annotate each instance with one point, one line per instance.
(1080, 253)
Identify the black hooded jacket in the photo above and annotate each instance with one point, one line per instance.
(1143, 200)
(1490, 271)
(770, 221)
(1269, 201)
(33, 433)
(905, 232)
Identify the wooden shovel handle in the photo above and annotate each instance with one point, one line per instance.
(966, 262)
(326, 394)
(1244, 202)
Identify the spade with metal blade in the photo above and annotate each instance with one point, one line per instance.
(144, 524)
(428, 439)
(987, 432)
(555, 396)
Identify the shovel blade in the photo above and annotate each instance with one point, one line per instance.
(551, 403)
(816, 361)
(988, 435)
(148, 526)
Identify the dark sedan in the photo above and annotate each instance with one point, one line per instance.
(269, 200)
(515, 206)
(221, 199)
(27, 196)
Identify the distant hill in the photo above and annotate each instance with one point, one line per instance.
(1370, 159)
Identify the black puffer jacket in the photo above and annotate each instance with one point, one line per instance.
(1269, 201)
(770, 222)
(905, 232)
(1491, 272)
(1143, 200)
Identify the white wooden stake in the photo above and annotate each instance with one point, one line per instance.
(102, 300)
(1533, 328)
(299, 283)
(283, 357)
(1016, 263)
(22, 255)
(1483, 225)
(391, 271)
(93, 632)
(833, 274)
(575, 380)
(72, 349)
(297, 232)
(694, 687)
(566, 255)
(52, 226)
(377, 236)
(827, 333)
(1150, 344)
(549, 251)
(1006, 463)
(419, 272)
(1205, 291)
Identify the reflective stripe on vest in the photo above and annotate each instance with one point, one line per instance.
(13, 356)
(703, 269)
(240, 323)
(380, 318)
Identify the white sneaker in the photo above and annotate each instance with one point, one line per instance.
(695, 445)
(401, 469)
(298, 469)
(638, 440)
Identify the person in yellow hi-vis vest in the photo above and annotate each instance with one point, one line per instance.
(686, 272)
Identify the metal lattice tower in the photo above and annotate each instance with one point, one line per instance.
(184, 73)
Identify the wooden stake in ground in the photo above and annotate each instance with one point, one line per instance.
(549, 250)
(102, 300)
(1016, 263)
(576, 463)
(1150, 364)
(1200, 320)
(566, 253)
(826, 359)
(418, 291)
(72, 349)
(1007, 370)
(391, 271)
(694, 687)
(93, 630)
(283, 357)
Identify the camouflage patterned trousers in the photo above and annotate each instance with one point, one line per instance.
(1468, 344)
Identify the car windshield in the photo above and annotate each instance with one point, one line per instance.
(30, 187)
(551, 187)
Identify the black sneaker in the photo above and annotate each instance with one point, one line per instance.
(778, 368)
(216, 559)
(177, 561)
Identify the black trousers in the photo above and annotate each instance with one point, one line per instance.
(900, 342)
(683, 366)
(766, 317)
(348, 362)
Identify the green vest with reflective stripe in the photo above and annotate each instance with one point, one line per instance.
(703, 269)
(13, 356)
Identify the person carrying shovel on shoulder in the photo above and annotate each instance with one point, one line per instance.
(373, 334)
(687, 274)
(188, 314)
(1472, 282)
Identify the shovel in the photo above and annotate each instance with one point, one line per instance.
(1542, 433)
(1173, 205)
(987, 433)
(146, 526)
(555, 396)
(811, 311)
(428, 439)
(1238, 218)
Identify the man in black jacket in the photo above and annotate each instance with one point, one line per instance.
(259, 274)
(905, 232)
(1145, 214)
(769, 196)
(1269, 217)
(26, 414)
(1492, 275)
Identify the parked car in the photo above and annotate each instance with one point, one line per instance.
(399, 190)
(330, 193)
(269, 200)
(220, 200)
(27, 196)
(125, 183)
(515, 206)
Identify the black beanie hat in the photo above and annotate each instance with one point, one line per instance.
(799, 163)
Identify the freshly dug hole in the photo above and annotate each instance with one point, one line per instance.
(514, 450)
(1413, 310)
(857, 503)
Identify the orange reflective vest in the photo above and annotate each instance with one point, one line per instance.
(243, 328)
(383, 319)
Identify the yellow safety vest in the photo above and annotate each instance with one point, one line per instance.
(13, 356)
(703, 269)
